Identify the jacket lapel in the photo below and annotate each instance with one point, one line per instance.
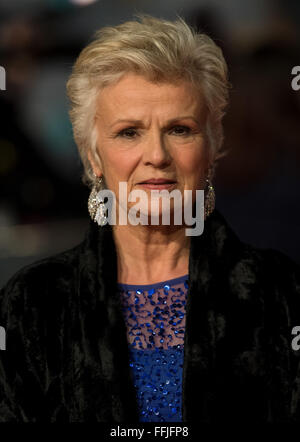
(206, 310)
(104, 388)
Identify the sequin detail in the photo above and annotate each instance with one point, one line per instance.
(155, 319)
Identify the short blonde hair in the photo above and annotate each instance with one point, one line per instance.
(158, 49)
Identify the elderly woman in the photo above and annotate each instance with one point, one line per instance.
(141, 321)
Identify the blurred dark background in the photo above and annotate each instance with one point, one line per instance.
(43, 204)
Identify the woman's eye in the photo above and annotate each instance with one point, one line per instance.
(127, 133)
(181, 130)
(131, 132)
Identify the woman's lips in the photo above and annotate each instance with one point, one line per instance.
(157, 183)
(157, 186)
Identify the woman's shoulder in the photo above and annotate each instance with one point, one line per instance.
(231, 248)
(42, 281)
(47, 266)
(268, 259)
(265, 264)
(251, 273)
(269, 280)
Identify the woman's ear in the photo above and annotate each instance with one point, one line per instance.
(97, 169)
(210, 168)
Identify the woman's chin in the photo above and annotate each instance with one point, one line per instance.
(160, 217)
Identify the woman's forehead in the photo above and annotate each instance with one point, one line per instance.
(131, 83)
(134, 93)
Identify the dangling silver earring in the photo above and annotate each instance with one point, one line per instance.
(96, 206)
(210, 198)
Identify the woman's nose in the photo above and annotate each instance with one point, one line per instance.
(156, 151)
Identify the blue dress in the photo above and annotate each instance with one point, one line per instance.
(155, 319)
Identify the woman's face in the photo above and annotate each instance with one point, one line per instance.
(151, 131)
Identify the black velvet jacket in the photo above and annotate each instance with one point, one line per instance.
(66, 356)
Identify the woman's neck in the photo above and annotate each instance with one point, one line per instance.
(149, 254)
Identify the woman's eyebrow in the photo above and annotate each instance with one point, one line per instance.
(140, 122)
(184, 117)
(127, 120)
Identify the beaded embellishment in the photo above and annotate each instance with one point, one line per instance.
(155, 319)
